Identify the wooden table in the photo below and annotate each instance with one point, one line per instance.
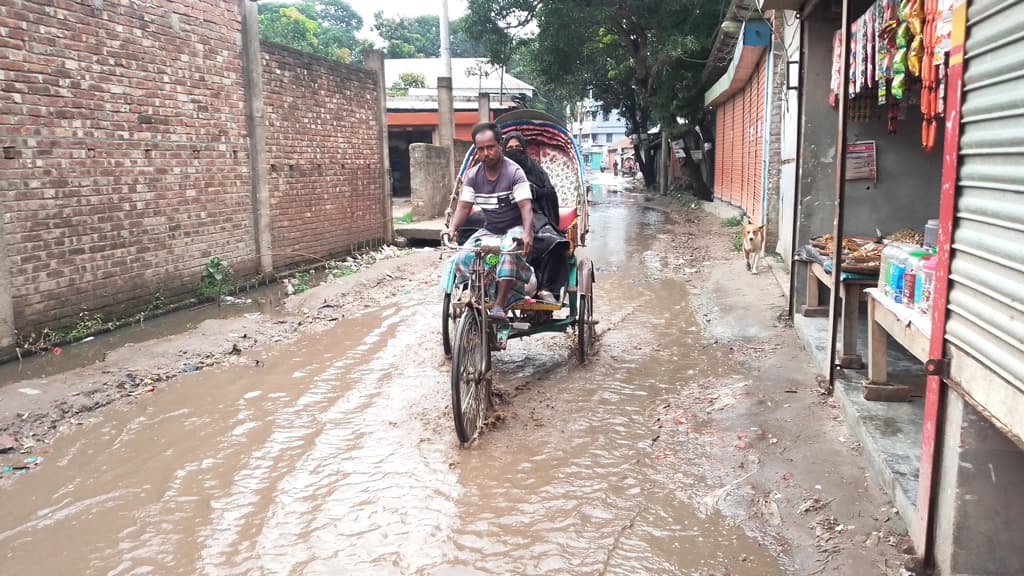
(852, 293)
(910, 329)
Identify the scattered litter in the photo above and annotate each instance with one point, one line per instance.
(29, 463)
(769, 509)
(252, 315)
(814, 504)
(29, 391)
(84, 340)
(252, 394)
(873, 540)
(231, 300)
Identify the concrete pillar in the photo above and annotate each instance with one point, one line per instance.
(483, 105)
(446, 119)
(663, 160)
(374, 60)
(7, 328)
(252, 71)
(978, 506)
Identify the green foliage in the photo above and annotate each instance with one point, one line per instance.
(641, 58)
(413, 80)
(327, 28)
(405, 81)
(420, 37)
(88, 324)
(217, 280)
(736, 240)
(301, 282)
(404, 218)
(733, 221)
(343, 269)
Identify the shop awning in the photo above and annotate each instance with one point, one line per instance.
(755, 39)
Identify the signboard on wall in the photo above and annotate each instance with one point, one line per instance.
(861, 161)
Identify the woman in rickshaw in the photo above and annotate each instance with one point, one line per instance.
(549, 257)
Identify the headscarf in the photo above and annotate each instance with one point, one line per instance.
(513, 136)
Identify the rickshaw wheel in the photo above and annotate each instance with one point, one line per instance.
(584, 327)
(447, 324)
(469, 376)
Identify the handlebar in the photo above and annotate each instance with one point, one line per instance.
(446, 241)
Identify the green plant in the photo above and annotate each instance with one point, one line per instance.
(733, 221)
(301, 282)
(736, 240)
(344, 269)
(217, 280)
(404, 218)
(87, 325)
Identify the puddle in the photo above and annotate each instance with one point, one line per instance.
(339, 457)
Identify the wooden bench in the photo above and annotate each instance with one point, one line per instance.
(852, 293)
(911, 330)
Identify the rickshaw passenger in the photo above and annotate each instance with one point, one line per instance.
(500, 187)
(549, 258)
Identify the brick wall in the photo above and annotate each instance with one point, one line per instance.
(323, 148)
(125, 162)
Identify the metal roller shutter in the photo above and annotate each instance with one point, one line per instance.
(984, 331)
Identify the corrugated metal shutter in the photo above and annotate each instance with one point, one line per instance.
(757, 167)
(737, 152)
(719, 149)
(985, 315)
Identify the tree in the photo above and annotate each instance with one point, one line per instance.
(409, 37)
(420, 37)
(640, 57)
(328, 27)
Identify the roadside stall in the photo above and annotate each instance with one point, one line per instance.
(894, 88)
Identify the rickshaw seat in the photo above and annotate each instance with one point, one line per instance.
(566, 216)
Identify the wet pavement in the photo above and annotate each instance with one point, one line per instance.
(338, 456)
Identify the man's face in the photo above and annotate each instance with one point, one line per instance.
(488, 148)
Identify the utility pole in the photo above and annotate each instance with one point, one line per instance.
(445, 103)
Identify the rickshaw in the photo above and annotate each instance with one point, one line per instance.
(468, 335)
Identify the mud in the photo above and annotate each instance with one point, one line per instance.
(325, 445)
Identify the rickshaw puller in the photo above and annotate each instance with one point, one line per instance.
(499, 186)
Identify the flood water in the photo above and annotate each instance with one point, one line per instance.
(339, 456)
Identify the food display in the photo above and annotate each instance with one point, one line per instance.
(906, 236)
(861, 254)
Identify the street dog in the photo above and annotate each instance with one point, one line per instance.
(753, 245)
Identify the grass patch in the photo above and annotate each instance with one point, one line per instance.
(736, 240)
(404, 218)
(733, 221)
(301, 282)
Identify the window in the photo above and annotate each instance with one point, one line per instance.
(608, 138)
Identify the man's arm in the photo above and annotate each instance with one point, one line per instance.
(462, 212)
(467, 197)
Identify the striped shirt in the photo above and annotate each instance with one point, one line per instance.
(497, 198)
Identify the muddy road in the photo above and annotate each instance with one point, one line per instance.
(337, 455)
